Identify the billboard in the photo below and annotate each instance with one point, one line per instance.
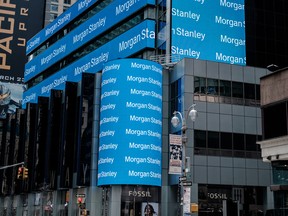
(130, 137)
(96, 25)
(60, 22)
(136, 39)
(209, 30)
(19, 20)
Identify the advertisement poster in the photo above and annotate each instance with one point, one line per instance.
(186, 199)
(175, 162)
(19, 21)
(149, 209)
(10, 98)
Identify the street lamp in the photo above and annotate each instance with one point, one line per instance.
(192, 113)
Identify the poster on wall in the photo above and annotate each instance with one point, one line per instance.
(175, 161)
(186, 199)
(19, 21)
(149, 209)
(10, 98)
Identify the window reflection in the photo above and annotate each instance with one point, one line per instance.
(226, 144)
(224, 91)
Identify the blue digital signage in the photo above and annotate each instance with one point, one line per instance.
(130, 136)
(100, 22)
(75, 10)
(136, 39)
(209, 30)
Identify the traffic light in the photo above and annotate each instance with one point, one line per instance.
(25, 173)
(20, 173)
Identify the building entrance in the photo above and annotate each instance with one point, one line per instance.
(140, 201)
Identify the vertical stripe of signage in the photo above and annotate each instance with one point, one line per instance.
(130, 123)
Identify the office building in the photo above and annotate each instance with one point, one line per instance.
(274, 144)
(56, 7)
(102, 83)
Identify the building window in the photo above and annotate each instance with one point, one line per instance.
(65, 8)
(226, 140)
(56, 1)
(67, 1)
(200, 138)
(212, 87)
(228, 92)
(53, 16)
(249, 90)
(238, 141)
(237, 89)
(226, 144)
(225, 88)
(200, 85)
(213, 139)
(54, 7)
(175, 96)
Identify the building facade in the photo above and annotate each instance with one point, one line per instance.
(54, 8)
(103, 80)
(274, 144)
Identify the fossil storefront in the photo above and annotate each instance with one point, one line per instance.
(216, 199)
(140, 200)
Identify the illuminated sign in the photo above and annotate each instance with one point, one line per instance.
(75, 10)
(130, 123)
(209, 30)
(100, 22)
(120, 47)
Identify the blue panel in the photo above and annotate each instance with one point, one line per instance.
(209, 30)
(61, 21)
(136, 39)
(105, 19)
(130, 123)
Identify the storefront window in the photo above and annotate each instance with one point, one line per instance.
(215, 200)
(140, 200)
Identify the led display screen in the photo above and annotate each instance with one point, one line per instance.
(130, 123)
(209, 30)
(100, 22)
(62, 20)
(136, 39)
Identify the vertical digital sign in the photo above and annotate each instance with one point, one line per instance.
(209, 30)
(130, 123)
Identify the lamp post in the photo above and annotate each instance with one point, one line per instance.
(176, 121)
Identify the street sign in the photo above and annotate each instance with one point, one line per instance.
(182, 178)
(187, 183)
(175, 139)
(80, 195)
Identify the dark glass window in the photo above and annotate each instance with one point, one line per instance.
(251, 142)
(237, 89)
(213, 139)
(225, 88)
(257, 92)
(238, 141)
(212, 87)
(200, 138)
(200, 85)
(226, 140)
(275, 120)
(175, 96)
(249, 90)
